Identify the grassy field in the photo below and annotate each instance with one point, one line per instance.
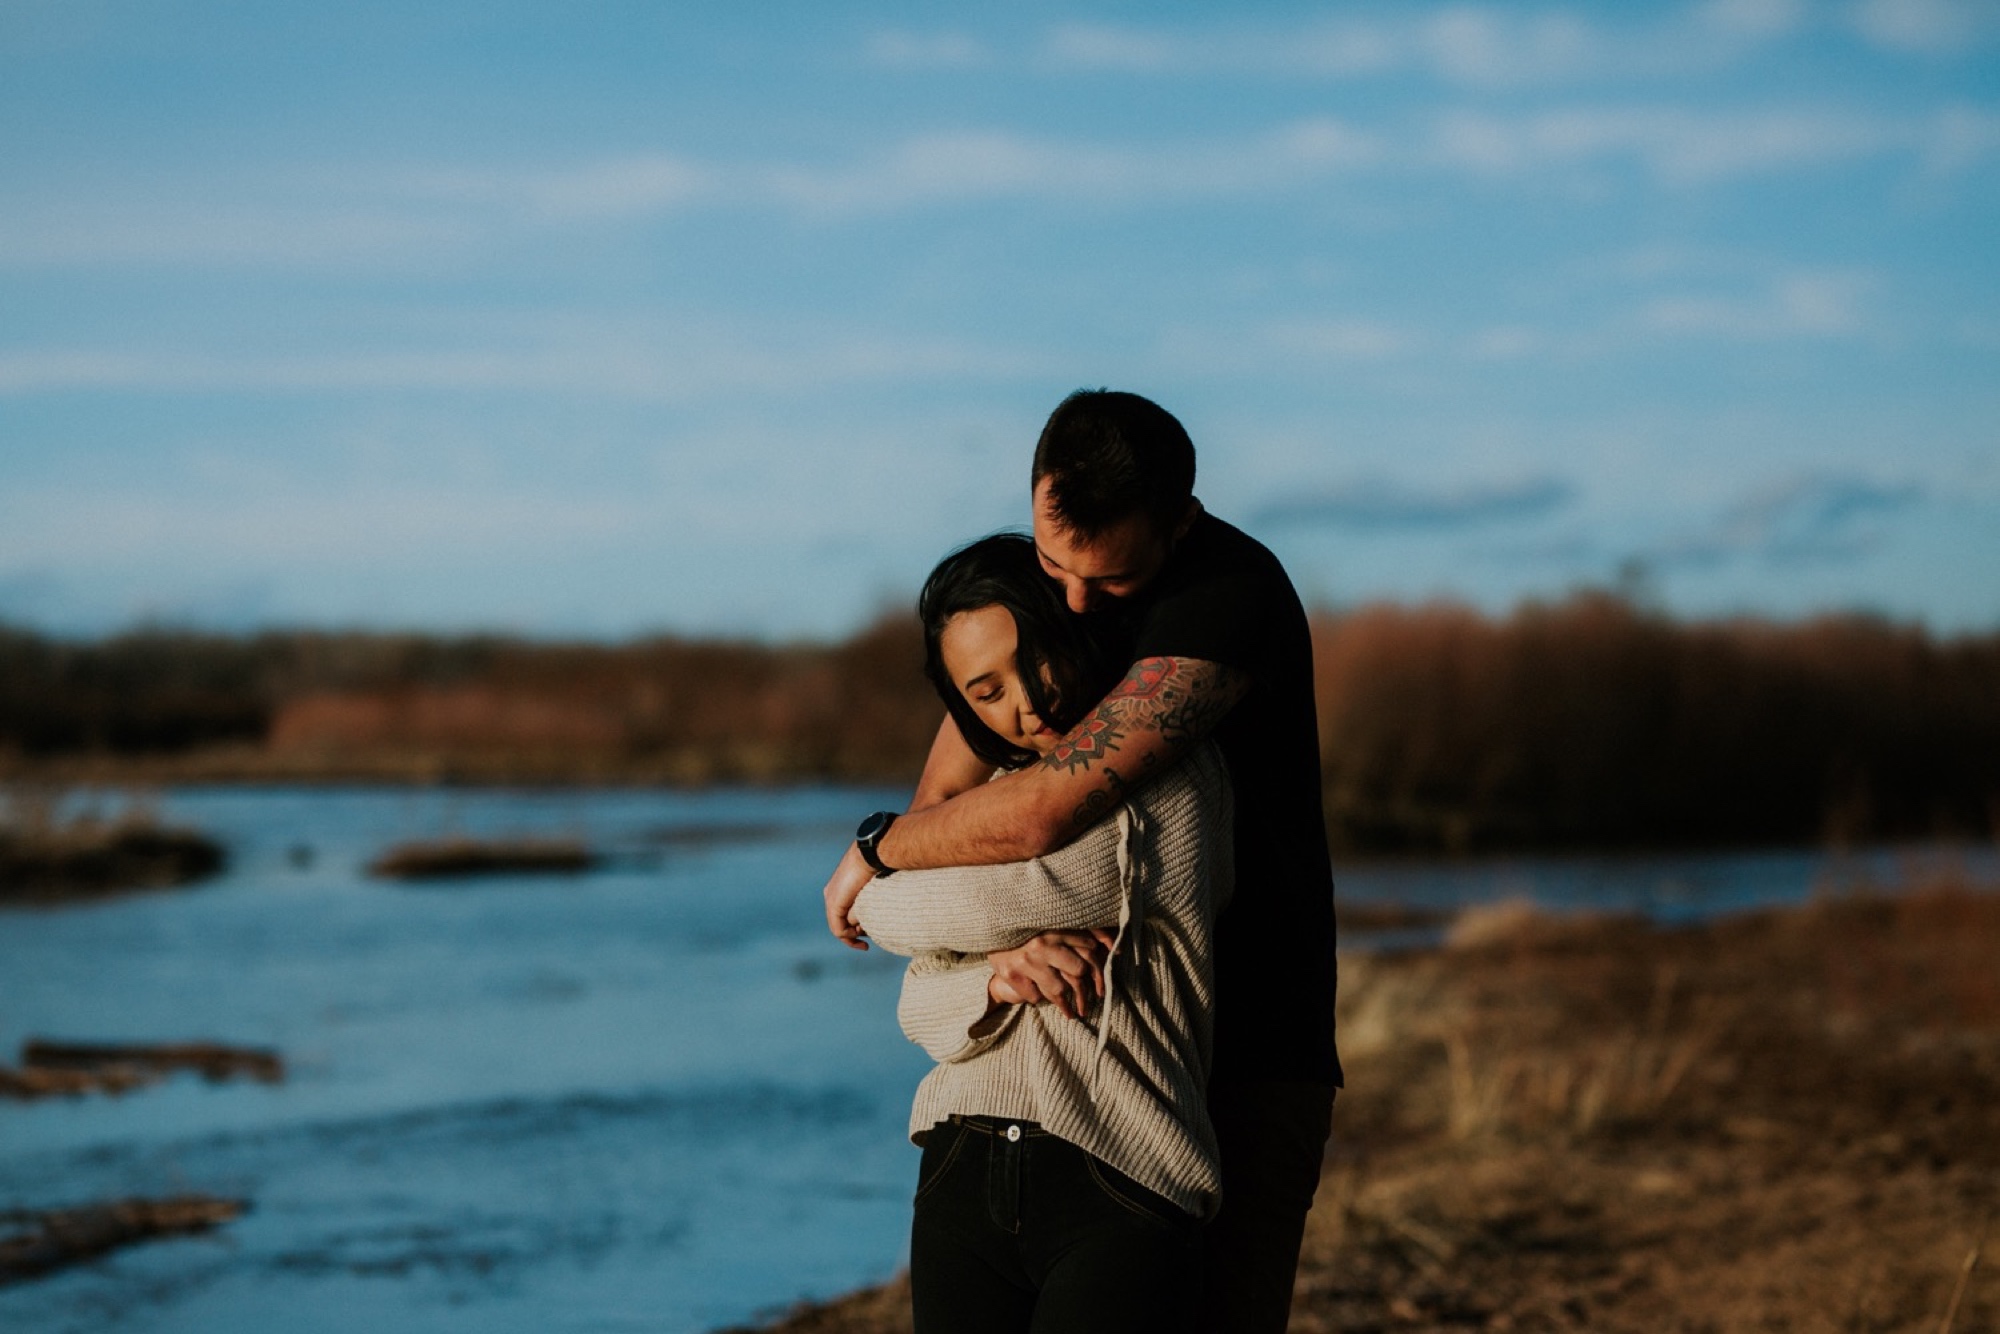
(1784, 1121)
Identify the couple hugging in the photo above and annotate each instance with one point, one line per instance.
(1114, 886)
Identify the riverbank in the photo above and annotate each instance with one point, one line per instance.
(1585, 724)
(1781, 1120)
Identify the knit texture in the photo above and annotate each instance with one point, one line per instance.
(1128, 1084)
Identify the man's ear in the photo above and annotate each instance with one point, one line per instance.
(1187, 519)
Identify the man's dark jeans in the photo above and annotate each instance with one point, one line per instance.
(1020, 1232)
(1273, 1135)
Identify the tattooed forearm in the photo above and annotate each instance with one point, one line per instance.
(1160, 706)
(1180, 698)
(1099, 800)
(1087, 743)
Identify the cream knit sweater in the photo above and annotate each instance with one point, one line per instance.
(1129, 1084)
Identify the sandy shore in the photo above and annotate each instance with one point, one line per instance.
(1783, 1121)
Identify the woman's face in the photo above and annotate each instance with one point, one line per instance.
(978, 649)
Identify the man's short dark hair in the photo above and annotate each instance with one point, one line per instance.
(1110, 455)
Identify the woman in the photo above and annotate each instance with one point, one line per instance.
(1068, 1162)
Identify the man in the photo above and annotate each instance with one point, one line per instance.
(1219, 647)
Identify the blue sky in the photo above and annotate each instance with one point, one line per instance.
(604, 318)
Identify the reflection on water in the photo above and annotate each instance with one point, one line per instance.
(655, 1097)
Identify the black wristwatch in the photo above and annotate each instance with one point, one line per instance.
(869, 834)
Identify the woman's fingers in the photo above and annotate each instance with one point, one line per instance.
(1080, 955)
(1064, 968)
(1054, 988)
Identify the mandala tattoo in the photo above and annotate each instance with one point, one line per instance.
(1179, 699)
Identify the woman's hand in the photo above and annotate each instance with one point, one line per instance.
(1064, 968)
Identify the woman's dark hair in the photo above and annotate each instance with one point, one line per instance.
(1063, 669)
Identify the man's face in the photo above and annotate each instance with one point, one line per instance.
(1115, 564)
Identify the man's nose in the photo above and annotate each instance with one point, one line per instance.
(1079, 595)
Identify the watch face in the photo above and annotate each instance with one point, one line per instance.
(873, 827)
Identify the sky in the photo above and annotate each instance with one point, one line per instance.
(603, 319)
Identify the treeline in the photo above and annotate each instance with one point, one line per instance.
(309, 705)
(1591, 723)
(1583, 723)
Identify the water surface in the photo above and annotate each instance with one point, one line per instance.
(657, 1096)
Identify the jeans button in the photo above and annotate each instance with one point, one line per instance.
(1013, 1134)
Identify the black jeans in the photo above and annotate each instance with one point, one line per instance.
(1020, 1232)
(1273, 1135)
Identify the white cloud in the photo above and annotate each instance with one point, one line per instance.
(1483, 47)
(1382, 505)
(898, 49)
(642, 361)
(1752, 18)
(1676, 146)
(948, 168)
(1340, 340)
(1492, 48)
(276, 528)
(1104, 46)
(1960, 138)
(400, 214)
(1808, 518)
(1799, 305)
(1927, 27)
(128, 229)
(1507, 343)
(610, 188)
(1473, 46)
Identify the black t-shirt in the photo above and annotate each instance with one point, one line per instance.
(1222, 597)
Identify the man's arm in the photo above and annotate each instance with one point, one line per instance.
(975, 909)
(951, 768)
(1161, 707)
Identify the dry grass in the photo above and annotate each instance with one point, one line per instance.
(1784, 1121)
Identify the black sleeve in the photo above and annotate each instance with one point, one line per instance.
(1214, 616)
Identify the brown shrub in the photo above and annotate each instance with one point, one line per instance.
(1591, 722)
(1587, 722)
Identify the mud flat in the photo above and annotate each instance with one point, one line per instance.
(70, 1069)
(88, 858)
(34, 1243)
(461, 858)
(1785, 1120)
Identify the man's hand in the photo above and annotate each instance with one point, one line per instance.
(840, 894)
(1064, 968)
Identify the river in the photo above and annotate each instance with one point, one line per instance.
(654, 1097)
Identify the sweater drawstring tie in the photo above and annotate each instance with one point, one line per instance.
(1131, 919)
